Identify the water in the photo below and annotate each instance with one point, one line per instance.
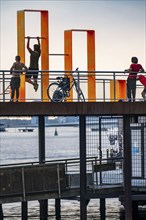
(16, 147)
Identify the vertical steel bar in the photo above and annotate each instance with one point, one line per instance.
(1, 212)
(82, 124)
(100, 150)
(24, 210)
(44, 54)
(102, 209)
(21, 48)
(127, 168)
(104, 90)
(91, 65)
(43, 209)
(114, 78)
(58, 209)
(43, 203)
(41, 120)
(78, 80)
(142, 151)
(3, 86)
(68, 58)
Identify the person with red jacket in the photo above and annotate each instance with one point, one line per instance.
(133, 70)
(142, 79)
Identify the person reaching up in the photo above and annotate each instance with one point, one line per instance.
(34, 63)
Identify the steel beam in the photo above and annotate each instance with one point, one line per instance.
(72, 108)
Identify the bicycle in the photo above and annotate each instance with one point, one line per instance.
(59, 91)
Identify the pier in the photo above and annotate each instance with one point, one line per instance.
(94, 177)
(111, 130)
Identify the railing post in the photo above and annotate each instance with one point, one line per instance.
(3, 86)
(41, 121)
(114, 78)
(83, 210)
(127, 168)
(1, 212)
(104, 90)
(100, 150)
(78, 75)
(24, 210)
(58, 208)
(43, 203)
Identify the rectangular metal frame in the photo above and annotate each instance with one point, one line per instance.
(44, 50)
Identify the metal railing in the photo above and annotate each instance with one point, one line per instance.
(102, 84)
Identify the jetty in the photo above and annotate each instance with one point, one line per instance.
(120, 172)
(86, 177)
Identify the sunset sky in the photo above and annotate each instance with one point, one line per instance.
(120, 31)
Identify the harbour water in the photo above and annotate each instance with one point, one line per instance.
(20, 147)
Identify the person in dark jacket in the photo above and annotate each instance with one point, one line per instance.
(34, 63)
(15, 80)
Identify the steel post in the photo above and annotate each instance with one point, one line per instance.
(83, 209)
(24, 210)
(1, 212)
(43, 203)
(58, 208)
(127, 168)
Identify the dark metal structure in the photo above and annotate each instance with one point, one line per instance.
(129, 195)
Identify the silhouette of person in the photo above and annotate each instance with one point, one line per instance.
(34, 63)
(15, 79)
(134, 68)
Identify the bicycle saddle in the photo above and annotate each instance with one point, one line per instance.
(58, 78)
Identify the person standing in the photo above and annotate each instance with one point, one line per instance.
(34, 63)
(142, 79)
(134, 68)
(144, 94)
(15, 80)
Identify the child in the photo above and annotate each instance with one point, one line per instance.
(131, 81)
(15, 80)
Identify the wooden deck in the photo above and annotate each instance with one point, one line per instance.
(130, 110)
(72, 108)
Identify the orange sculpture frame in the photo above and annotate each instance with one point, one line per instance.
(44, 50)
(90, 59)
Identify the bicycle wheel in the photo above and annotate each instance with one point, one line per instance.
(55, 92)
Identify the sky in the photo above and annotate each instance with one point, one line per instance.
(120, 31)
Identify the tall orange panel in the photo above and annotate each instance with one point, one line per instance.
(90, 58)
(118, 90)
(68, 56)
(45, 54)
(21, 49)
(91, 65)
(44, 49)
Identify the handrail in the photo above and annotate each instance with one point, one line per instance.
(102, 79)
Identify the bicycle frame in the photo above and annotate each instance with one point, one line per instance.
(60, 90)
